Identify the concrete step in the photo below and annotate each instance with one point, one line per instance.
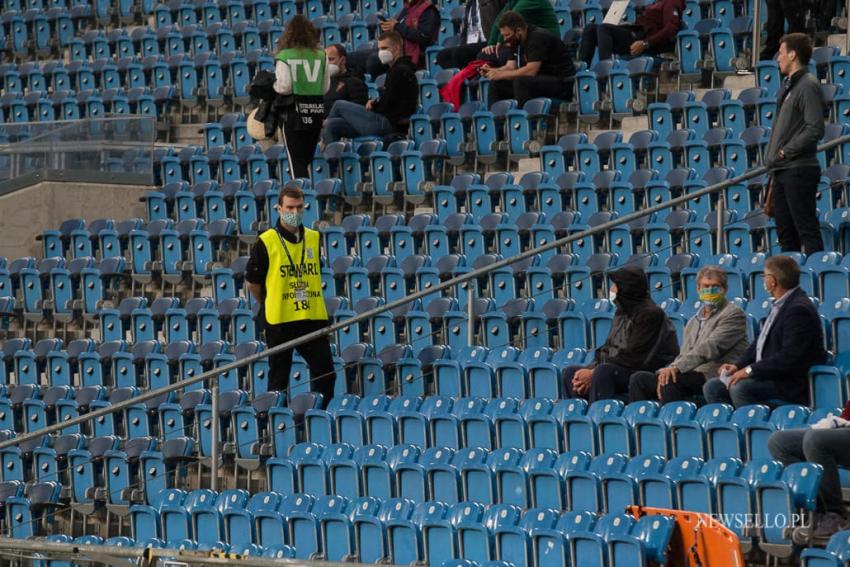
(187, 134)
(737, 83)
(838, 40)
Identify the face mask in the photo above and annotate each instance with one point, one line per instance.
(386, 56)
(612, 296)
(512, 41)
(712, 295)
(292, 219)
(333, 69)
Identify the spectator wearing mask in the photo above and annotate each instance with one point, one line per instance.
(641, 338)
(303, 77)
(545, 67)
(391, 112)
(824, 443)
(654, 31)
(776, 366)
(344, 85)
(717, 334)
(418, 25)
(479, 19)
(792, 151)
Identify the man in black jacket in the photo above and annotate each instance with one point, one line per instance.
(792, 151)
(776, 366)
(344, 85)
(391, 112)
(641, 338)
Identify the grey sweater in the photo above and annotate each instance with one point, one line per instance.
(723, 339)
(798, 126)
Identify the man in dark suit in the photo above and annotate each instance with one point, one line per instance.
(776, 366)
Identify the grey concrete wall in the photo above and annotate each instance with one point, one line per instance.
(25, 213)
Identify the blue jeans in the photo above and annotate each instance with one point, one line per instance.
(349, 120)
(746, 392)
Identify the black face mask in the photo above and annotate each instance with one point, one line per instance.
(512, 41)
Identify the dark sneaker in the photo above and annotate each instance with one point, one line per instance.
(829, 524)
(802, 535)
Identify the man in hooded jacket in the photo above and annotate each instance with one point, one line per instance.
(641, 338)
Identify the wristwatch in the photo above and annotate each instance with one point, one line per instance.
(645, 45)
(748, 370)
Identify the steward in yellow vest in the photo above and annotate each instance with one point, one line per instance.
(284, 276)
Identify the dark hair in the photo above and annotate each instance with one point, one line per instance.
(512, 20)
(291, 190)
(340, 49)
(393, 37)
(299, 32)
(799, 43)
(784, 269)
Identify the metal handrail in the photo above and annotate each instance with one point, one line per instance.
(474, 274)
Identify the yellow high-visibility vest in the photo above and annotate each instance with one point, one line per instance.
(294, 280)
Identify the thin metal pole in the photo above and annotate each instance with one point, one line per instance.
(214, 437)
(756, 32)
(721, 248)
(213, 375)
(470, 312)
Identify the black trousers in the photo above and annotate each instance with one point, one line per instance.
(795, 209)
(644, 386)
(777, 12)
(610, 39)
(317, 354)
(608, 381)
(460, 56)
(300, 146)
(524, 89)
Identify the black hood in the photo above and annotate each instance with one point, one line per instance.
(632, 286)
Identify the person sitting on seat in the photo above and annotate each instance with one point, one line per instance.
(540, 65)
(641, 338)
(775, 368)
(715, 335)
(344, 85)
(654, 31)
(391, 112)
(823, 443)
(417, 24)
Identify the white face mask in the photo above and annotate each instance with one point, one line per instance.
(333, 70)
(386, 56)
(612, 296)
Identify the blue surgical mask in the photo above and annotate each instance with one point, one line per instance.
(292, 219)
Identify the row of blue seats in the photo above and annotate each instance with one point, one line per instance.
(370, 530)
(65, 105)
(678, 429)
(367, 529)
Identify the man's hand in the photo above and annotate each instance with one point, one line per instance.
(369, 104)
(637, 47)
(737, 377)
(665, 376)
(581, 381)
(729, 369)
(490, 49)
(494, 74)
(389, 25)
